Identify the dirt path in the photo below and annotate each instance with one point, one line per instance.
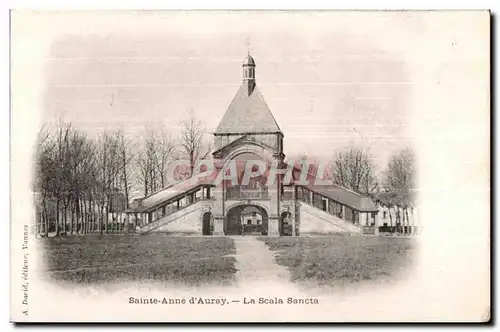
(257, 267)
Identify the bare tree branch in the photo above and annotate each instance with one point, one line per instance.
(354, 169)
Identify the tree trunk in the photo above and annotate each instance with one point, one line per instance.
(402, 216)
(38, 221)
(85, 217)
(77, 215)
(73, 213)
(42, 223)
(390, 218)
(408, 221)
(101, 219)
(125, 185)
(57, 217)
(82, 215)
(64, 220)
(94, 217)
(44, 220)
(44, 216)
(70, 221)
(106, 219)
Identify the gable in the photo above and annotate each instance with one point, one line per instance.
(247, 144)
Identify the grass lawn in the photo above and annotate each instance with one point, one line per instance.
(101, 259)
(342, 260)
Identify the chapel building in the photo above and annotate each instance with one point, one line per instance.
(264, 205)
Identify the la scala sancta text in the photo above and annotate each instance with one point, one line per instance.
(220, 301)
(278, 300)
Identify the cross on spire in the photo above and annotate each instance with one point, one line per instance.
(248, 44)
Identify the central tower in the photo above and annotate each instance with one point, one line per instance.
(249, 73)
(247, 132)
(249, 116)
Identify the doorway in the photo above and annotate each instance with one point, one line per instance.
(246, 220)
(285, 227)
(207, 223)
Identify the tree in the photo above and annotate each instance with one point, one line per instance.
(44, 179)
(145, 165)
(79, 181)
(163, 156)
(80, 158)
(401, 171)
(192, 142)
(126, 158)
(400, 181)
(354, 169)
(60, 189)
(108, 171)
(154, 158)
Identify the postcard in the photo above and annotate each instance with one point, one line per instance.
(250, 166)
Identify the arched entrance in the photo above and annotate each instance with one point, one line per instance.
(207, 223)
(246, 219)
(285, 226)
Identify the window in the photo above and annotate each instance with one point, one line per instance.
(355, 217)
(317, 201)
(304, 195)
(339, 210)
(249, 221)
(348, 214)
(324, 204)
(332, 206)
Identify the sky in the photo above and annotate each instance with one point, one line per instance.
(331, 79)
(329, 83)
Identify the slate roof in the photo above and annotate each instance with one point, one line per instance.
(346, 197)
(248, 113)
(160, 197)
(334, 191)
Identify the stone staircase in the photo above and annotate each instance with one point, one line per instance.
(187, 216)
(314, 220)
